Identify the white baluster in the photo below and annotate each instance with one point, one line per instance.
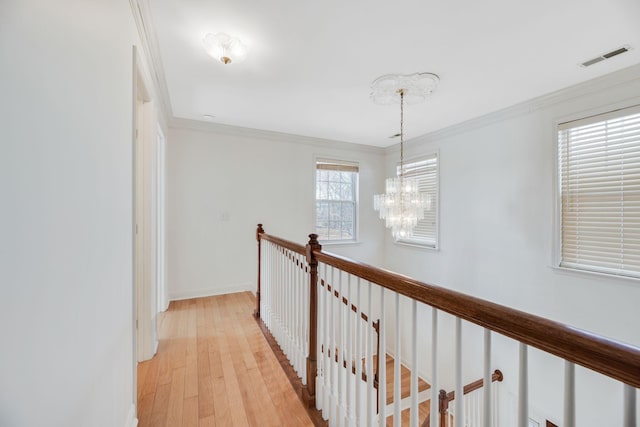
(300, 287)
(340, 351)
(326, 366)
(459, 414)
(358, 355)
(433, 411)
(349, 355)
(414, 367)
(320, 382)
(569, 394)
(382, 365)
(397, 370)
(332, 347)
(630, 417)
(287, 305)
(487, 415)
(306, 299)
(523, 387)
(369, 359)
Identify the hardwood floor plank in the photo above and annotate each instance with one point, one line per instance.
(205, 397)
(190, 412)
(160, 405)
(176, 399)
(207, 422)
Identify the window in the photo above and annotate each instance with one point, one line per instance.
(336, 200)
(599, 185)
(425, 171)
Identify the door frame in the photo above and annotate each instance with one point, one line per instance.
(144, 259)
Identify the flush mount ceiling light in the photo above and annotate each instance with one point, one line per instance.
(402, 204)
(224, 48)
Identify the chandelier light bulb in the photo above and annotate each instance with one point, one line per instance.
(224, 48)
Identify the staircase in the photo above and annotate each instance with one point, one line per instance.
(405, 394)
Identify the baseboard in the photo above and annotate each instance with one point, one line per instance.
(209, 292)
(132, 421)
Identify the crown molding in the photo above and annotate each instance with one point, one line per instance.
(146, 31)
(228, 130)
(608, 81)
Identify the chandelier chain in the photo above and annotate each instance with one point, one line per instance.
(401, 132)
(401, 149)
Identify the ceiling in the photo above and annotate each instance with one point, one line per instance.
(310, 63)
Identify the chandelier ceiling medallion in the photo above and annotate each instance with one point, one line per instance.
(402, 205)
(224, 48)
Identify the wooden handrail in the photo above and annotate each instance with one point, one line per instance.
(496, 376)
(292, 246)
(445, 398)
(614, 359)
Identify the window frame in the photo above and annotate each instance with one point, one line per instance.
(355, 201)
(417, 243)
(579, 119)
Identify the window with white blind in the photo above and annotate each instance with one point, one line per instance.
(599, 170)
(425, 171)
(336, 200)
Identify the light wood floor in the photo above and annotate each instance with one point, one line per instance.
(215, 368)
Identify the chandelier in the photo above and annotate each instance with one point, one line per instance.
(402, 205)
(225, 48)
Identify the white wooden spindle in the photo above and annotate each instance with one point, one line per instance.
(349, 354)
(569, 394)
(382, 365)
(297, 317)
(433, 411)
(326, 366)
(414, 364)
(320, 373)
(278, 308)
(341, 344)
(630, 417)
(266, 297)
(459, 416)
(302, 305)
(486, 413)
(304, 279)
(397, 370)
(358, 355)
(288, 305)
(523, 387)
(332, 349)
(369, 362)
(272, 273)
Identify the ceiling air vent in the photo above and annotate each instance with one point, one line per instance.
(607, 55)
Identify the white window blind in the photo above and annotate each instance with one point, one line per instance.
(425, 171)
(336, 200)
(599, 167)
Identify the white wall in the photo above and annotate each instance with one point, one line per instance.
(223, 181)
(66, 216)
(497, 234)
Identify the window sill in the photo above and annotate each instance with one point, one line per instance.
(340, 243)
(594, 274)
(417, 246)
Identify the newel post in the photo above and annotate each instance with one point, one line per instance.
(309, 391)
(259, 231)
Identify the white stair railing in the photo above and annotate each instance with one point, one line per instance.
(313, 303)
